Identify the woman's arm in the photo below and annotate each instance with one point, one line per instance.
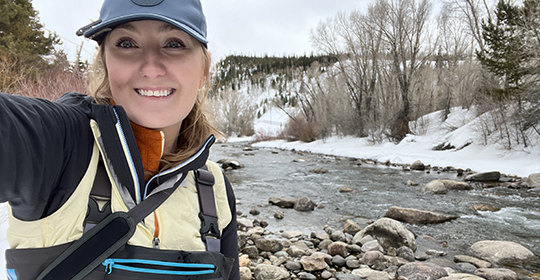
(40, 144)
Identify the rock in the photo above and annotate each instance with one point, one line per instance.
(304, 204)
(293, 265)
(418, 165)
(291, 234)
(533, 181)
(461, 276)
(279, 215)
(372, 245)
(472, 260)
(389, 233)
(282, 202)
(345, 190)
(343, 276)
(415, 216)
(230, 164)
(379, 275)
(254, 211)
(270, 272)
(324, 244)
(411, 183)
(326, 274)
(405, 253)
(313, 262)
(352, 262)
(243, 261)
(485, 207)
(466, 267)
(501, 252)
(306, 276)
(269, 245)
(496, 274)
(371, 257)
(418, 270)
(245, 273)
(338, 236)
(319, 170)
(251, 251)
(244, 223)
(255, 230)
(443, 186)
(351, 227)
(484, 176)
(319, 235)
(337, 248)
(338, 260)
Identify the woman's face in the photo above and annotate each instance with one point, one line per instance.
(155, 70)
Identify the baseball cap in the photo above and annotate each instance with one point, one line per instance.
(184, 14)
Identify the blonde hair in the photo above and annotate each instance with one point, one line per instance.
(196, 127)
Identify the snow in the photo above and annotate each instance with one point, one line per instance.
(458, 130)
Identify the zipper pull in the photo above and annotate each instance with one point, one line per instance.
(155, 242)
(108, 263)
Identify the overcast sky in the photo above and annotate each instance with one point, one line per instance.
(273, 27)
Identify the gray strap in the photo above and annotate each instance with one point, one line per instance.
(210, 233)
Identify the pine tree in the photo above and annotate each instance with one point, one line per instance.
(505, 53)
(23, 43)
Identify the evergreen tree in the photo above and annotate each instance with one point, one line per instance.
(505, 52)
(23, 43)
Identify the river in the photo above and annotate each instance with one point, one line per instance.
(278, 173)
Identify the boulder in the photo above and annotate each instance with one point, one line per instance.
(319, 170)
(282, 202)
(501, 252)
(485, 207)
(443, 186)
(337, 248)
(533, 181)
(472, 260)
(496, 274)
(418, 165)
(484, 176)
(230, 164)
(270, 272)
(416, 216)
(304, 204)
(245, 273)
(419, 270)
(389, 233)
(461, 276)
(351, 227)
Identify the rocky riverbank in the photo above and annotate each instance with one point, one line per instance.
(384, 250)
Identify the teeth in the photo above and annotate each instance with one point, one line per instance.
(157, 93)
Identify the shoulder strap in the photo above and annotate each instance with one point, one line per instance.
(210, 233)
(86, 253)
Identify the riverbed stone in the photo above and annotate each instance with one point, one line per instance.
(461, 276)
(405, 253)
(372, 245)
(418, 165)
(245, 273)
(472, 260)
(343, 276)
(244, 223)
(338, 260)
(466, 267)
(306, 276)
(270, 272)
(416, 216)
(319, 170)
(496, 274)
(501, 252)
(251, 251)
(269, 245)
(389, 233)
(533, 180)
(230, 164)
(296, 252)
(351, 227)
(304, 204)
(485, 207)
(319, 234)
(369, 258)
(439, 186)
(314, 262)
(337, 248)
(484, 176)
(282, 202)
(421, 270)
(293, 265)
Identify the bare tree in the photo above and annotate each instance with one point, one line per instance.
(403, 25)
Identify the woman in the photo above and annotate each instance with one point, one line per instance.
(72, 169)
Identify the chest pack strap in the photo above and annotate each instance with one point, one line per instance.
(102, 240)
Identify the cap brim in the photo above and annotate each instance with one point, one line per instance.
(134, 17)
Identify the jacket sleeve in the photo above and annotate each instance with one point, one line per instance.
(38, 138)
(229, 237)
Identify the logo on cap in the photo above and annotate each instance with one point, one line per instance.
(147, 3)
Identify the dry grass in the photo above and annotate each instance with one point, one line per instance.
(52, 86)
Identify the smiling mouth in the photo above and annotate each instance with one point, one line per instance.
(155, 93)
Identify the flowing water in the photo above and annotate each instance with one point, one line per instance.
(276, 173)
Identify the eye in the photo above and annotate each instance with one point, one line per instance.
(125, 43)
(175, 44)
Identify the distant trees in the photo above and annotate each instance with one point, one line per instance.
(23, 44)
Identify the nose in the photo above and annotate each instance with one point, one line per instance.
(152, 65)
